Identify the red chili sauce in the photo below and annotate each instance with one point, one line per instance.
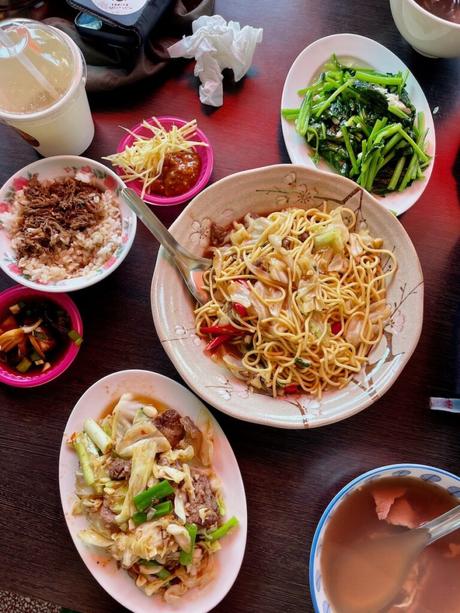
(180, 173)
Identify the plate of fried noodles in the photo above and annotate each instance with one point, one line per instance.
(315, 297)
(152, 494)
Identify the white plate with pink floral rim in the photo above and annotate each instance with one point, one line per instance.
(104, 569)
(353, 50)
(53, 168)
(262, 191)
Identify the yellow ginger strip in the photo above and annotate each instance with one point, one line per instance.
(144, 159)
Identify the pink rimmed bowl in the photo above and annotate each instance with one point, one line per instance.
(67, 354)
(206, 154)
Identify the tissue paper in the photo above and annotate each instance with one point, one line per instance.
(216, 45)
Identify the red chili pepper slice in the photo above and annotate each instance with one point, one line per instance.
(336, 327)
(292, 388)
(240, 309)
(217, 342)
(227, 329)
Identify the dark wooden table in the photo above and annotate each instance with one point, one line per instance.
(289, 475)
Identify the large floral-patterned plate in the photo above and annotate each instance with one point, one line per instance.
(262, 191)
(53, 168)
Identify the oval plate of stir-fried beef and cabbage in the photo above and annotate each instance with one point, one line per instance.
(152, 494)
(351, 106)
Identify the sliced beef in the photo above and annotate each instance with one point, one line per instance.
(218, 235)
(204, 498)
(286, 243)
(120, 469)
(191, 429)
(170, 426)
(108, 516)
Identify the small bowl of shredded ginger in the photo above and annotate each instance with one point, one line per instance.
(166, 160)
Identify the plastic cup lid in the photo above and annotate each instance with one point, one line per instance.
(39, 64)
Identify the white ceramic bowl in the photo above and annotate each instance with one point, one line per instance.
(114, 580)
(444, 479)
(52, 168)
(262, 191)
(428, 34)
(358, 51)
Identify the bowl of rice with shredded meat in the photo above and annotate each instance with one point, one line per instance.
(63, 225)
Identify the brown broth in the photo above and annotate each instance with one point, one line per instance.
(161, 406)
(355, 522)
(445, 9)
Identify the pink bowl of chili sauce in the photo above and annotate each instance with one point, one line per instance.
(205, 152)
(66, 354)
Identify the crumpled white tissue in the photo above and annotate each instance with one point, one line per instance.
(216, 45)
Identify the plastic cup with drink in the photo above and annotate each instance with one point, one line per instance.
(42, 88)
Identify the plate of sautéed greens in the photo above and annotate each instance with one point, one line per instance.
(351, 106)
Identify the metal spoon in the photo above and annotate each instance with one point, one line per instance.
(370, 574)
(190, 266)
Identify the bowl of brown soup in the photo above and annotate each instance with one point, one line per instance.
(383, 502)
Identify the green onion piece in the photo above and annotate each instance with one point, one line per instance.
(185, 557)
(84, 460)
(158, 491)
(139, 518)
(75, 337)
(163, 509)
(163, 574)
(223, 530)
(303, 363)
(379, 79)
(351, 153)
(24, 365)
(97, 435)
(34, 356)
(149, 563)
(397, 173)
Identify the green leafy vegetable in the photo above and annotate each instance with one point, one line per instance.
(364, 125)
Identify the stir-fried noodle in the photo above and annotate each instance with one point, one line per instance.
(297, 299)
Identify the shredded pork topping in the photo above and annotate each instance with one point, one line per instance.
(53, 211)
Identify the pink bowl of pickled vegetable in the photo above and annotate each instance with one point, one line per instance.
(64, 355)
